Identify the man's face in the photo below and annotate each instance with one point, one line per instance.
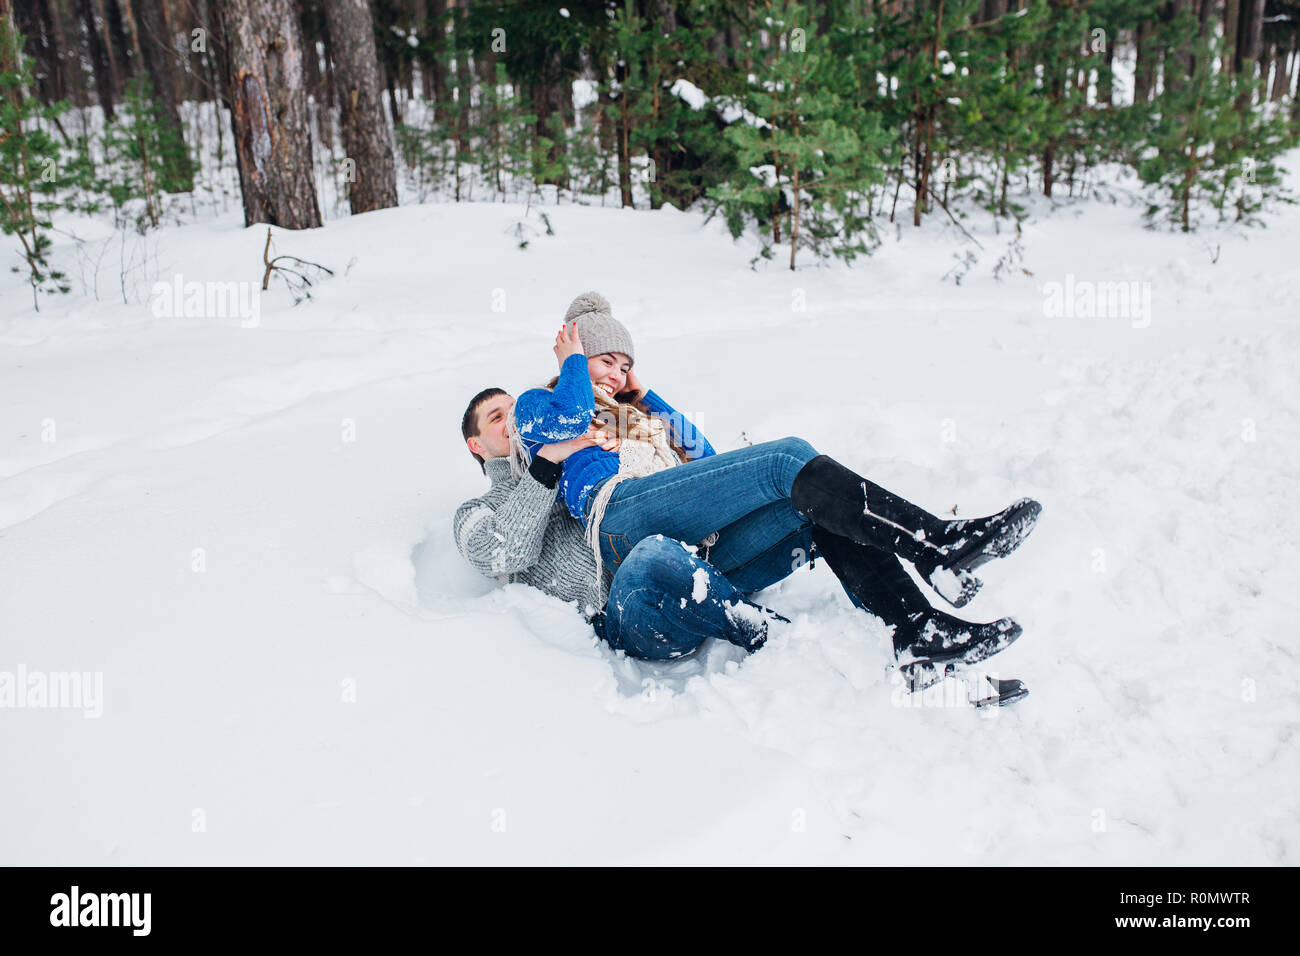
(492, 440)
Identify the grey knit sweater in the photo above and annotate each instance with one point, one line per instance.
(519, 532)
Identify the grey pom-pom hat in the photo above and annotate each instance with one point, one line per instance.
(599, 330)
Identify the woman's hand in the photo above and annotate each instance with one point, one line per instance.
(596, 435)
(567, 342)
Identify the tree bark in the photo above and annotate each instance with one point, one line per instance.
(624, 128)
(1182, 56)
(159, 52)
(464, 87)
(1282, 71)
(1250, 33)
(132, 31)
(1144, 70)
(269, 113)
(68, 59)
(1295, 103)
(433, 62)
(365, 131)
(108, 76)
(1106, 87)
(549, 95)
(29, 20)
(1231, 15)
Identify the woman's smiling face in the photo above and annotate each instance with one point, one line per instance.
(609, 371)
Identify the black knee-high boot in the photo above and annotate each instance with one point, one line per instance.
(881, 586)
(944, 552)
(845, 503)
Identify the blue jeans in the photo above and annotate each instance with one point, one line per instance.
(664, 602)
(744, 495)
(763, 548)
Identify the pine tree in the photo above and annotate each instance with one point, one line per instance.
(143, 155)
(502, 135)
(29, 165)
(1001, 120)
(931, 39)
(1201, 144)
(803, 143)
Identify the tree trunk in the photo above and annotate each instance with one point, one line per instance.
(1292, 86)
(606, 127)
(925, 128)
(794, 213)
(1182, 56)
(269, 113)
(108, 79)
(435, 64)
(624, 130)
(1282, 74)
(313, 77)
(159, 53)
(29, 20)
(1295, 103)
(365, 132)
(464, 86)
(132, 31)
(1250, 33)
(549, 100)
(420, 30)
(214, 76)
(1106, 88)
(1231, 15)
(1144, 70)
(68, 77)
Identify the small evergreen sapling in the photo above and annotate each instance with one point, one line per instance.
(144, 156)
(30, 174)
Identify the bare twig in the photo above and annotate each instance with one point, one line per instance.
(273, 265)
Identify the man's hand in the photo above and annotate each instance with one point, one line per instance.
(596, 435)
(633, 390)
(567, 342)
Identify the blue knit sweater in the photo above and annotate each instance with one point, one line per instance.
(544, 416)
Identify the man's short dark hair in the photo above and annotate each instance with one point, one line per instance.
(469, 424)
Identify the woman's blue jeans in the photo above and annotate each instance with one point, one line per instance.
(744, 495)
(664, 602)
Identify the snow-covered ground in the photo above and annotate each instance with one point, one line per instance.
(241, 524)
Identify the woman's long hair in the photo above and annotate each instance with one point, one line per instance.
(630, 419)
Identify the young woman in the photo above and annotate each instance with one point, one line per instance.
(666, 479)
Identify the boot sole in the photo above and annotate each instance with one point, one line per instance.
(955, 587)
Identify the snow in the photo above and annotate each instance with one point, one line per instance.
(689, 93)
(245, 531)
(585, 93)
(729, 108)
(699, 585)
